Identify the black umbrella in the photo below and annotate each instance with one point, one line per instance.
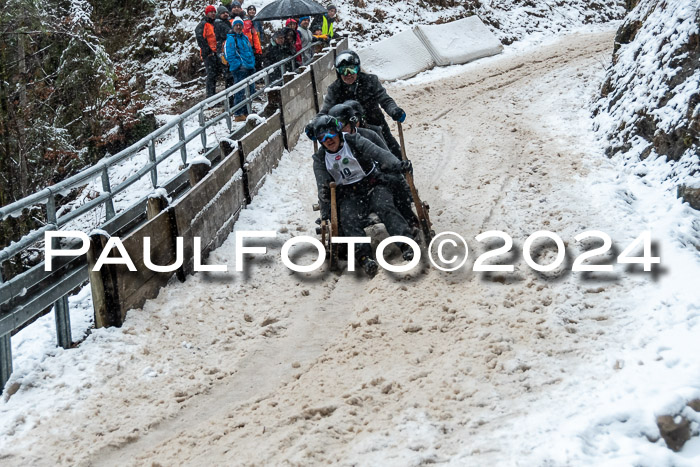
(282, 9)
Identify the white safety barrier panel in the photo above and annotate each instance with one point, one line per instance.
(459, 41)
(398, 57)
(408, 53)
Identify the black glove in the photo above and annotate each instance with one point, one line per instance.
(399, 115)
(401, 167)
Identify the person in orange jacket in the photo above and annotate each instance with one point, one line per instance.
(206, 39)
(253, 35)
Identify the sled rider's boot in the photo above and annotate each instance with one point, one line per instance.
(369, 266)
(407, 252)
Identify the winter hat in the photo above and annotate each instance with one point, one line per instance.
(237, 20)
(235, 3)
(226, 2)
(331, 7)
(290, 21)
(220, 10)
(209, 9)
(303, 18)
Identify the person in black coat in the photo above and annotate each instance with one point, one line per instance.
(348, 117)
(222, 27)
(359, 168)
(354, 84)
(277, 51)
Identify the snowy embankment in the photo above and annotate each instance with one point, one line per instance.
(463, 367)
(650, 109)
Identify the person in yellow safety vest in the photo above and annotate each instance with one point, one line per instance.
(323, 25)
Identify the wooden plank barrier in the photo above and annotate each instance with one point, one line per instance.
(261, 150)
(115, 289)
(211, 207)
(298, 107)
(323, 74)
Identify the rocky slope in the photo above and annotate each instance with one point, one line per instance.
(650, 103)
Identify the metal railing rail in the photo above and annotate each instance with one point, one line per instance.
(38, 289)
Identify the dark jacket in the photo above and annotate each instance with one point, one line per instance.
(206, 37)
(221, 30)
(368, 91)
(374, 136)
(274, 54)
(367, 154)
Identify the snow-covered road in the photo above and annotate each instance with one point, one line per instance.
(520, 368)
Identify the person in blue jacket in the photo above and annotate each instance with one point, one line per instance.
(241, 63)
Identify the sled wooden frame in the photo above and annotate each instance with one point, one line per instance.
(329, 229)
(422, 208)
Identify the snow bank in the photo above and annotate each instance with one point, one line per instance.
(408, 53)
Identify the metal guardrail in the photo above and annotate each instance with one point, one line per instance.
(26, 295)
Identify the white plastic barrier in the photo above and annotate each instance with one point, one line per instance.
(459, 41)
(408, 53)
(398, 57)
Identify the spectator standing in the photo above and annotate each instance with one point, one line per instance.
(236, 9)
(294, 25)
(222, 27)
(258, 25)
(277, 51)
(206, 39)
(290, 39)
(241, 61)
(323, 25)
(254, 37)
(306, 38)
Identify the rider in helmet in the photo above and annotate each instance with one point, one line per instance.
(354, 84)
(361, 118)
(347, 117)
(357, 166)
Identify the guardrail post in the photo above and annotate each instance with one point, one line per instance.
(202, 124)
(248, 103)
(61, 312)
(181, 133)
(109, 205)
(103, 283)
(60, 307)
(227, 108)
(5, 360)
(152, 160)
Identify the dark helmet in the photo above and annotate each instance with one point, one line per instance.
(345, 60)
(321, 125)
(357, 108)
(343, 113)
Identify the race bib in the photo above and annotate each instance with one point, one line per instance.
(343, 167)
